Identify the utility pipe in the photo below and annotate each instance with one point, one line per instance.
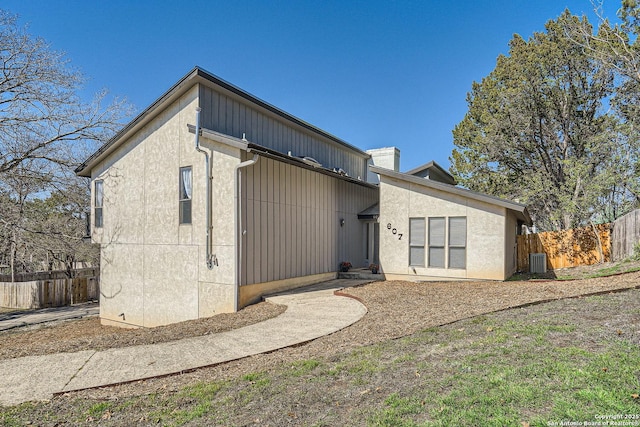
(209, 258)
(239, 231)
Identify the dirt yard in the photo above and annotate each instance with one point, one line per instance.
(396, 309)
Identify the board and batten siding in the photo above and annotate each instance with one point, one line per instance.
(292, 215)
(231, 115)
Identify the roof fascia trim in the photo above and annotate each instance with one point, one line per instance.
(275, 110)
(431, 164)
(516, 207)
(199, 75)
(140, 120)
(278, 156)
(220, 137)
(251, 147)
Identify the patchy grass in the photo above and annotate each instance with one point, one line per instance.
(304, 367)
(565, 361)
(618, 269)
(628, 265)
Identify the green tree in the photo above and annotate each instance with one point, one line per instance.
(536, 130)
(618, 48)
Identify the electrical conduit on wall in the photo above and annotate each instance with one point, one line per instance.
(210, 258)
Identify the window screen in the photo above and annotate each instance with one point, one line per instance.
(416, 241)
(457, 242)
(186, 190)
(98, 203)
(436, 242)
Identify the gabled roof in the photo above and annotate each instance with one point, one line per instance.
(519, 209)
(433, 171)
(198, 75)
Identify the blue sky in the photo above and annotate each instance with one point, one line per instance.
(374, 73)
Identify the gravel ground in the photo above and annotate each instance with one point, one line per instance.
(89, 334)
(396, 309)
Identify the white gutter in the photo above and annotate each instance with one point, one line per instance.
(239, 235)
(210, 258)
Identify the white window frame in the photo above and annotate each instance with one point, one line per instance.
(433, 246)
(456, 242)
(98, 203)
(417, 241)
(185, 195)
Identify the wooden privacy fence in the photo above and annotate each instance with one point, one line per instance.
(626, 235)
(50, 289)
(567, 248)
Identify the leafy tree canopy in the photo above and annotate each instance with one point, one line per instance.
(540, 129)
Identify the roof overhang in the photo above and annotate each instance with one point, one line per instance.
(198, 75)
(520, 210)
(299, 162)
(434, 166)
(371, 213)
(249, 147)
(177, 90)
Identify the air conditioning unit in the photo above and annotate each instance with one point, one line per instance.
(537, 263)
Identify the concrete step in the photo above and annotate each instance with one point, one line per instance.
(360, 274)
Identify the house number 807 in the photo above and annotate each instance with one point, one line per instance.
(394, 231)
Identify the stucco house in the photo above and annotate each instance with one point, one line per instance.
(211, 198)
(434, 230)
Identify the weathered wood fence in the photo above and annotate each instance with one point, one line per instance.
(568, 248)
(626, 235)
(49, 289)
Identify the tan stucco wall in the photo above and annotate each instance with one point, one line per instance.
(401, 200)
(153, 269)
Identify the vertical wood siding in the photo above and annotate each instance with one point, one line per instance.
(626, 235)
(292, 220)
(56, 292)
(227, 115)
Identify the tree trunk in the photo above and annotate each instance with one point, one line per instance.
(600, 251)
(13, 256)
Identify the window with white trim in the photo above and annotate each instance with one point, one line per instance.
(186, 194)
(437, 242)
(98, 199)
(416, 242)
(458, 242)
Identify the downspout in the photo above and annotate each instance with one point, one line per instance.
(210, 259)
(239, 231)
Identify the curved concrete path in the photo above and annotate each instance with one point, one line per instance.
(311, 312)
(19, 319)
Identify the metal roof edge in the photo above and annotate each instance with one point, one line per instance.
(428, 165)
(508, 204)
(296, 161)
(137, 121)
(420, 168)
(251, 147)
(220, 137)
(182, 85)
(272, 108)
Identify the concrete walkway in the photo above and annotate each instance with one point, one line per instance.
(17, 319)
(311, 312)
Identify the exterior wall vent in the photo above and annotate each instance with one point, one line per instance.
(537, 263)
